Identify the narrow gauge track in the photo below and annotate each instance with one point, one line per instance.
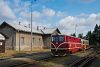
(85, 61)
(21, 65)
(25, 64)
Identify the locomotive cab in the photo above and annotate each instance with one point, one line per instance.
(58, 47)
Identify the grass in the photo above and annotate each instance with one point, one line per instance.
(40, 50)
(12, 53)
(7, 54)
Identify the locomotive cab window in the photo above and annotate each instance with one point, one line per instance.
(54, 38)
(57, 38)
(61, 38)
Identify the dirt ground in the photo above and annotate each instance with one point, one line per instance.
(52, 62)
(96, 62)
(62, 61)
(12, 53)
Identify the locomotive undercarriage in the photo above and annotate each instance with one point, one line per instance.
(60, 52)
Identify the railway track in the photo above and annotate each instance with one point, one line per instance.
(85, 61)
(43, 58)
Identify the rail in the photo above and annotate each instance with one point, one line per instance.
(84, 61)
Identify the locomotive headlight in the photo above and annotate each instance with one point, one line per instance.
(56, 42)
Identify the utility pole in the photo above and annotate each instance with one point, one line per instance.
(19, 40)
(31, 24)
(75, 28)
(19, 37)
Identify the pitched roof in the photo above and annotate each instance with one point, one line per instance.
(50, 30)
(27, 29)
(24, 28)
(2, 37)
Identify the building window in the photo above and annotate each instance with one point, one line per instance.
(22, 40)
(83, 42)
(39, 40)
(33, 40)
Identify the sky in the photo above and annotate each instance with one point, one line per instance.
(63, 14)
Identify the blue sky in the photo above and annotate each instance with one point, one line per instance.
(64, 14)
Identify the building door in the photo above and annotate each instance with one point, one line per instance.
(2, 46)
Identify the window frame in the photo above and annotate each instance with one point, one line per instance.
(22, 40)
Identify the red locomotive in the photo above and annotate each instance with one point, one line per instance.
(63, 44)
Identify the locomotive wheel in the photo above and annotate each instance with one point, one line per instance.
(53, 51)
(59, 52)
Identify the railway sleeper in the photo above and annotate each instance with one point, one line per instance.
(78, 62)
(23, 65)
(17, 65)
(87, 62)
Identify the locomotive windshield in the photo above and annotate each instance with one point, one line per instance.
(57, 38)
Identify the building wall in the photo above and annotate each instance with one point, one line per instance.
(37, 43)
(10, 41)
(47, 39)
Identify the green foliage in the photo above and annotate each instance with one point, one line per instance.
(80, 35)
(94, 37)
(73, 34)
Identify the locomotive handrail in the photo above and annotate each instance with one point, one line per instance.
(63, 43)
(53, 45)
(67, 42)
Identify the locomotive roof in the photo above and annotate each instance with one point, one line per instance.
(67, 35)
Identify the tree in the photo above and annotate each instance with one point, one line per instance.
(96, 28)
(99, 34)
(96, 35)
(80, 35)
(89, 37)
(73, 34)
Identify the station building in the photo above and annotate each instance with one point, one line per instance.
(18, 37)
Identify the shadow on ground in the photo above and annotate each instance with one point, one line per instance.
(60, 61)
(19, 61)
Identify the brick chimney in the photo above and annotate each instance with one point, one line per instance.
(19, 23)
(29, 25)
(44, 27)
(37, 27)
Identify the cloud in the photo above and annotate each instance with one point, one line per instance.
(17, 3)
(60, 14)
(26, 15)
(6, 11)
(48, 12)
(68, 23)
(36, 14)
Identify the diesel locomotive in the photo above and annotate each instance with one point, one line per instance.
(63, 44)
